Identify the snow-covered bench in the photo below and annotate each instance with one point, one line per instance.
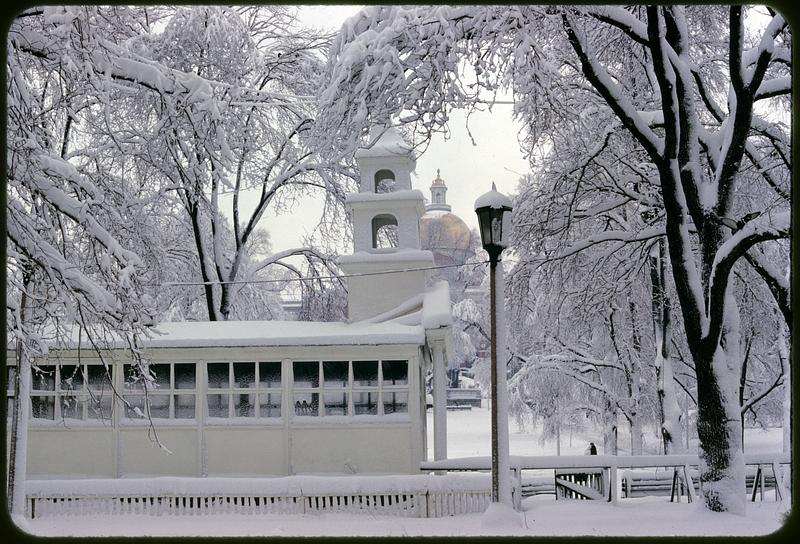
(640, 483)
(463, 399)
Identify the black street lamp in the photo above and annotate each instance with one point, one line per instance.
(494, 218)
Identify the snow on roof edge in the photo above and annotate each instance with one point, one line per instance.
(203, 334)
(405, 194)
(436, 311)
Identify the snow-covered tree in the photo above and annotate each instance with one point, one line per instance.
(688, 105)
(549, 397)
(225, 131)
(119, 117)
(70, 218)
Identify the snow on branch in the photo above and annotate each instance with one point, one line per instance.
(774, 87)
(611, 92)
(755, 61)
(620, 18)
(74, 209)
(611, 236)
(777, 283)
(53, 263)
(766, 227)
(307, 252)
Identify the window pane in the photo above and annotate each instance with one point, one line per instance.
(9, 408)
(306, 404)
(306, 374)
(133, 379)
(98, 378)
(365, 402)
(395, 403)
(395, 372)
(335, 373)
(134, 406)
(43, 407)
(270, 404)
(244, 375)
(365, 373)
(185, 375)
(218, 376)
(159, 406)
(336, 404)
(184, 406)
(218, 405)
(71, 378)
(44, 378)
(11, 375)
(244, 404)
(269, 374)
(71, 407)
(160, 375)
(99, 407)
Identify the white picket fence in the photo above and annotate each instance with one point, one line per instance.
(407, 496)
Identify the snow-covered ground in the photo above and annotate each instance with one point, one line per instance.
(542, 516)
(468, 434)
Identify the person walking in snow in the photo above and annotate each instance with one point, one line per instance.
(591, 450)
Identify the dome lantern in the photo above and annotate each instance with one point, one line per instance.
(438, 195)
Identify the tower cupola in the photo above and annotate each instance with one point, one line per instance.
(438, 195)
(385, 213)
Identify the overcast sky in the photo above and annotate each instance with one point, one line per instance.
(468, 170)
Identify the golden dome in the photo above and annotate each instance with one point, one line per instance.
(443, 231)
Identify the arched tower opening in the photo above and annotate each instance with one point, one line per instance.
(384, 181)
(384, 231)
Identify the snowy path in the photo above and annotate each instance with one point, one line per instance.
(543, 516)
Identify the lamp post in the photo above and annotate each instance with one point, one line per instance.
(494, 218)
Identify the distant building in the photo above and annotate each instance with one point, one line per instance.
(452, 243)
(442, 232)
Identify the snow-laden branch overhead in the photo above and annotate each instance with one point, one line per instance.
(766, 227)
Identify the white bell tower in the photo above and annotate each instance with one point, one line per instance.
(385, 214)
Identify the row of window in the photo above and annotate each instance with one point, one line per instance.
(232, 390)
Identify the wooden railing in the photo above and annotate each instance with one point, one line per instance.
(424, 495)
(606, 468)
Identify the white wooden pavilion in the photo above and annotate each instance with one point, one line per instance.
(270, 397)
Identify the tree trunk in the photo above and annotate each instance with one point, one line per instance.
(18, 454)
(671, 424)
(558, 437)
(636, 435)
(610, 428)
(783, 352)
(670, 412)
(634, 385)
(194, 214)
(719, 424)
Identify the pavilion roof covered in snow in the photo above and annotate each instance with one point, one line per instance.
(268, 333)
(404, 324)
(284, 333)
